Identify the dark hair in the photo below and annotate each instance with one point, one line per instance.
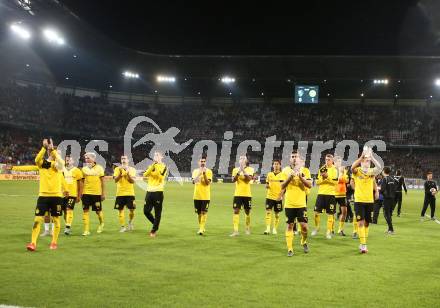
(429, 172)
(387, 170)
(398, 172)
(204, 156)
(276, 160)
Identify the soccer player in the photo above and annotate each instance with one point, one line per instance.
(274, 179)
(73, 178)
(124, 177)
(431, 189)
(325, 202)
(242, 177)
(51, 192)
(378, 204)
(341, 193)
(401, 184)
(156, 175)
(388, 188)
(93, 192)
(297, 180)
(365, 193)
(202, 178)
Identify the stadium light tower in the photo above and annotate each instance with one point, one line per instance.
(21, 31)
(130, 75)
(227, 80)
(437, 82)
(166, 79)
(52, 36)
(380, 81)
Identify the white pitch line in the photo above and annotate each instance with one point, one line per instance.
(8, 306)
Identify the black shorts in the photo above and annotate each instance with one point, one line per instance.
(300, 214)
(363, 211)
(276, 205)
(122, 201)
(92, 200)
(201, 206)
(342, 201)
(325, 203)
(51, 205)
(244, 202)
(69, 203)
(154, 198)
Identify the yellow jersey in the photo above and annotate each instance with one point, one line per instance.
(296, 192)
(51, 178)
(341, 187)
(92, 179)
(274, 180)
(156, 174)
(243, 188)
(327, 186)
(123, 186)
(72, 176)
(364, 185)
(201, 190)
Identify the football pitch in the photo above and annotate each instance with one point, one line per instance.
(179, 268)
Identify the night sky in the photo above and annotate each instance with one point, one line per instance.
(309, 27)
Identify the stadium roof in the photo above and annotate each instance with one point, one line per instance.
(90, 59)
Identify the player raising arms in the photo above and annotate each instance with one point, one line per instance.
(156, 175)
(365, 184)
(242, 177)
(202, 178)
(327, 181)
(340, 194)
(124, 178)
(50, 195)
(298, 180)
(274, 180)
(73, 177)
(93, 192)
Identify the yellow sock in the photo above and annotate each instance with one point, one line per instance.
(289, 240)
(86, 221)
(131, 215)
(317, 221)
(268, 220)
(248, 220)
(236, 221)
(69, 218)
(100, 217)
(203, 219)
(366, 233)
(121, 218)
(330, 223)
(362, 238)
(38, 220)
(277, 221)
(303, 237)
(341, 226)
(355, 226)
(56, 229)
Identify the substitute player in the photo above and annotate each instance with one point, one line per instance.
(325, 202)
(242, 177)
(298, 179)
(431, 190)
(50, 192)
(73, 177)
(274, 179)
(94, 192)
(365, 193)
(202, 178)
(124, 177)
(155, 175)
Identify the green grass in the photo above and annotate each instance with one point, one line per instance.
(180, 268)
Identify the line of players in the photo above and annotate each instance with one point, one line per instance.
(290, 186)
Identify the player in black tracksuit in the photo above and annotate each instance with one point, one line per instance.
(388, 188)
(400, 184)
(430, 192)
